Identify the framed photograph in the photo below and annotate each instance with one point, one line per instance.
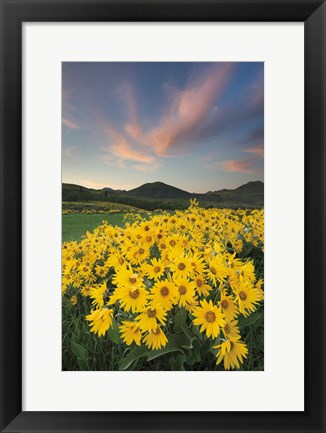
(163, 209)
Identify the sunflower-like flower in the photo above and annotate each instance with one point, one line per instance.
(217, 271)
(209, 317)
(126, 275)
(155, 269)
(185, 290)
(233, 352)
(130, 332)
(155, 339)
(101, 320)
(180, 264)
(97, 294)
(151, 316)
(131, 298)
(228, 306)
(73, 299)
(247, 298)
(230, 329)
(201, 287)
(164, 292)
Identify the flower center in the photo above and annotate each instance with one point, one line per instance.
(146, 228)
(242, 296)
(157, 269)
(172, 243)
(121, 261)
(164, 291)
(141, 251)
(181, 266)
(157, 331)
(182, 290)
(213, 270)
(148, 238)
(132, 280)
(151, 313)
(227, 329)
(134, 294)
(224, 304)
(199, 282)
(210, 316)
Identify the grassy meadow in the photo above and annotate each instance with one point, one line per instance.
(75, 225)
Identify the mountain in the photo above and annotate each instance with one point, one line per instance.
(159, 195)
(256, 187)
(250, 194)
(159, 190)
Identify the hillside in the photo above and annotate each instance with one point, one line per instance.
(158, 195)
(159, 190)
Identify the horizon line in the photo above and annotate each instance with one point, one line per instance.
(158, 181)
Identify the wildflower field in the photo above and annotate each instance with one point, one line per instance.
(169, 291)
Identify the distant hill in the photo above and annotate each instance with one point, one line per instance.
(158, 195)
(250, 194)
(159, 190)
(251, 187)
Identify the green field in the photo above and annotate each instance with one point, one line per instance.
(74, 226)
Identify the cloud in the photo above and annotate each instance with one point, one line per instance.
(69, 152)
(146, 168)
(246, 106)
(132, 128)
(258, 150)
(123, 150)
(248, 165)
(188, 109)
(69, 123)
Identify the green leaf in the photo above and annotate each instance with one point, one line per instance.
(248, 321)
(167, 349)
(113, 333)
(78, 350)
(177, 364)
(81, 354)
(180, 319)
(176, 343)
(133, 355)
(197, 333)
(194, 355)
(180, 341)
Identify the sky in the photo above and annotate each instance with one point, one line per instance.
(198, 126)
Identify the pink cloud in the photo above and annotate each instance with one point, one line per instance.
(124, 150)
(121, 150)
(240, 166)
(69, 123)
(188, 109)
(132, 128)
(258, 150)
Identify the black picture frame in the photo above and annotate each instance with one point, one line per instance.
(13, 14)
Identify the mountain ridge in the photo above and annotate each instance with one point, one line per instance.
(159, 195)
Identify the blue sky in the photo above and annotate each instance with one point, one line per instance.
(197, 126)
